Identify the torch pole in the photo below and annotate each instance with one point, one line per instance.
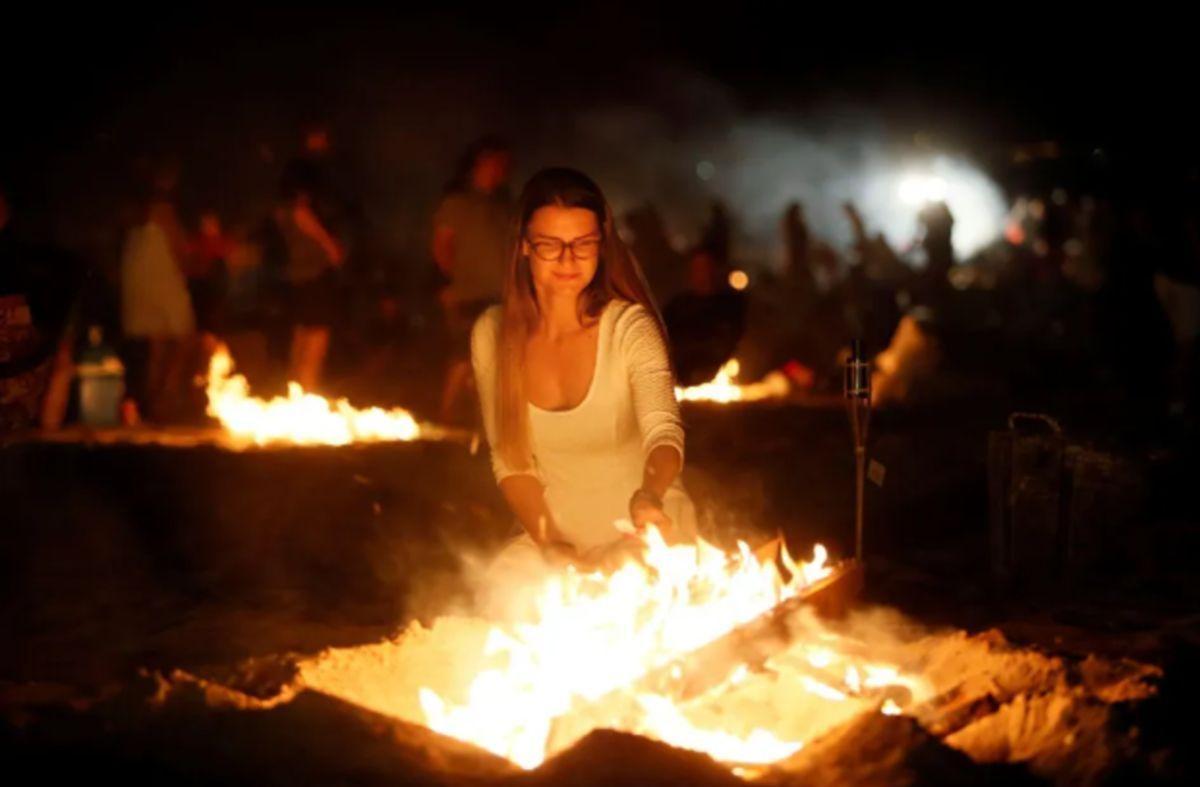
(860, 473)
(858, 406)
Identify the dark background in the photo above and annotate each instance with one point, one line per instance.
(633, 90)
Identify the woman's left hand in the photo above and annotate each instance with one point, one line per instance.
(645, 509)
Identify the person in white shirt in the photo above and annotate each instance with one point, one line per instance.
(575, 382)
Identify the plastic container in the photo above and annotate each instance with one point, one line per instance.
(101, 382)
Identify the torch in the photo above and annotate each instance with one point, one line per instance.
(858, 405)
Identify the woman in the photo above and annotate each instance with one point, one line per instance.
(470, 246)
(575, 383)
(157, 316)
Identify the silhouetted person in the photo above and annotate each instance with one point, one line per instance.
(1134, 331)
(314, 172)
(312, 257)
(471, 230)
(322, 171)
(795, 238)
(157, 317)
(717, 236)
(705, 321)
(868, 290)
(207, 272)
(26, 343)
(872, 252)
(797, 272)
(937, 225)
(661, 263)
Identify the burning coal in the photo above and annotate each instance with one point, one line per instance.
(300, 418)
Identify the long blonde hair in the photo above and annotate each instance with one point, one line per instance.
(617, 276)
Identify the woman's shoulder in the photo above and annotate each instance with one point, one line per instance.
(635, 330)
(624, 311)
(630, 318)
(488, 322)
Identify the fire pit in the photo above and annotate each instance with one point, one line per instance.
(872, 698)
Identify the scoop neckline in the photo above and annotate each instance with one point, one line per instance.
(601, 349)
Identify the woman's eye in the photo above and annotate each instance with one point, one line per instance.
(546, 249)
(587, 248)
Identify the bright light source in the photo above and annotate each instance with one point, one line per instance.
(890, 200)
(920, 190)
(739, 280)
(766, 164)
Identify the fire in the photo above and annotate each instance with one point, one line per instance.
(724, 387)
(300, 417)
(582, 660)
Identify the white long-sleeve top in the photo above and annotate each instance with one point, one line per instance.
(591, 458)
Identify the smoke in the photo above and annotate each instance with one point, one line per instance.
(687, 144)
(681, 141)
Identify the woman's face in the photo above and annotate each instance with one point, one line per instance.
(563, 247)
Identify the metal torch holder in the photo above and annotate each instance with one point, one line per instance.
(858, 405)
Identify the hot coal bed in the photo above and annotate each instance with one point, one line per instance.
(181, 608)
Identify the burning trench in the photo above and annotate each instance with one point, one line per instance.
(721, 654)
(304, 418)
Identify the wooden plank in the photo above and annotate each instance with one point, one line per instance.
(707, 667)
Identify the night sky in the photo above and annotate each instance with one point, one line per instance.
(1022, 72)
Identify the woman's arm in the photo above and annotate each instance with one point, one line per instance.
(662, 468)
(652, 386)
(526, 497)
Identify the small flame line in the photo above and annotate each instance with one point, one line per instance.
(301, 417)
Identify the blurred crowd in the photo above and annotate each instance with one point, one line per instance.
(1081, 292)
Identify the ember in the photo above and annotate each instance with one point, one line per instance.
(724, 387)
(300, 417)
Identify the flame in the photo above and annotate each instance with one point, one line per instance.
(300, 417)
(616, 651)
(667, 723)
(596, 634)
(724, 388)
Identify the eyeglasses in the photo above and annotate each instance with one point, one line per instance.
(552, 249)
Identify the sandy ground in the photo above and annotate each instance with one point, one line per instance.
(133, 568)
